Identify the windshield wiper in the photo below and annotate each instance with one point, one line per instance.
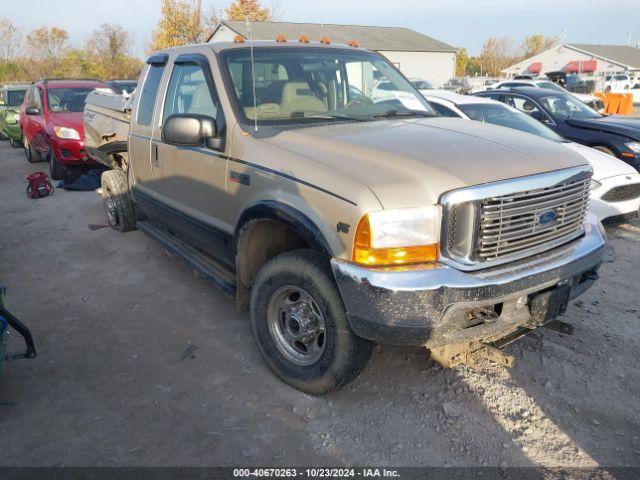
(408, 113)
(328, 116)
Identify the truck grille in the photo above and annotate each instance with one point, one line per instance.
(498, 222)
(622, 193)
(514, 223)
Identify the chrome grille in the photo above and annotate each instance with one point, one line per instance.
(512, 223)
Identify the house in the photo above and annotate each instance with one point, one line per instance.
(415, 54)
(580, 58)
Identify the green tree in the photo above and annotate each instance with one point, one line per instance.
(534, 44)
(180, 24)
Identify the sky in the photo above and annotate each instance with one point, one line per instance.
(461, 23)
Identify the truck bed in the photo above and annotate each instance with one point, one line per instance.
(106, 127)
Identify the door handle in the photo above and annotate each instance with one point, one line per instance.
(154, 155)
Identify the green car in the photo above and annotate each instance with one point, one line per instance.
(11, 97)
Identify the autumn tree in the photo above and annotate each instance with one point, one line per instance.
(108, 53)
(462, 59)
(180, 24)
(496, 55)
(46, 48)
(249, 10)
(534, 44)
(10, 40)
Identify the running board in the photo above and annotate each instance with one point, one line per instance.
(205, 266)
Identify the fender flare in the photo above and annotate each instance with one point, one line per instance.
(287, 215)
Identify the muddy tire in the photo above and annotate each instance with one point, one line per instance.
(603, 149)
(300, 324)
(32, 155)
(56, 169)
(117, 201)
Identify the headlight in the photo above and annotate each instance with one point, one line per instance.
(594, 185)
(66, 132)
(398, 237)
(633, 146)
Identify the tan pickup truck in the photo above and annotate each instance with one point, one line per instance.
(340, 221)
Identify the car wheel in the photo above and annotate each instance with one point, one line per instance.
(3, 136)
(300, 324)
(117, 201)
(32, 155)
(14, 143)
(56, 169)
(604, 149)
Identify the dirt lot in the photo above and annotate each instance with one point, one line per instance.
(112, 315)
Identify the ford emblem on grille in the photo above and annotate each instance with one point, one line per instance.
(547, 217)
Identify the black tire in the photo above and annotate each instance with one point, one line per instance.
(117, 201)
(14, 143)
(32, 155)
(604, 149)
(56, 169)
(344, 354)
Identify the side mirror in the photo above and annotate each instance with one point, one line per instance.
(190, 130)
(32, 111)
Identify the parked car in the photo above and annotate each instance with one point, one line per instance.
(615, 187)
(339, 223)
(458, 85)
(420, 84)
(11, 97)
(592, 101)
(122, 86)
(51, 123)
(616, 135)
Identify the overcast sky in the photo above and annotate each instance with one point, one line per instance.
(462, 23)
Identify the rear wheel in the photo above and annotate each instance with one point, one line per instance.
(117, 201)
(56, 169)
(32, 155)
(14, 143)
(604, 149)
(300, 324)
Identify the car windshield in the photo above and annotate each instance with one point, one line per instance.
(67, 99)
(506, 116)
(550, 86)
(15, 97)
(422, 85)
(310, 85)
(566, 106)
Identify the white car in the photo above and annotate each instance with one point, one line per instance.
(593, 102)
(617, 82)
(615, 187)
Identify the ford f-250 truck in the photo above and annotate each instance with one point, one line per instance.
(337, 221)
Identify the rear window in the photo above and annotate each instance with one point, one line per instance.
(148, 94)
(15, 97)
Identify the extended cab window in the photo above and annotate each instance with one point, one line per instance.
(148, 94)
(189, 92)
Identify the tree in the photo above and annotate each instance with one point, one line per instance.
(462, 59)
(10, 40)
(108, 53)
(249, 10)
(496, 55)
(180, 24)
(46, 48)
(534, 44)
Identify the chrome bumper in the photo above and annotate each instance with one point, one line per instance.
(430, 306)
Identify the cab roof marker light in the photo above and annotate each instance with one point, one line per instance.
(303, 39)
(280, 39)
(325, 40)
(353, 43)
(238, 39)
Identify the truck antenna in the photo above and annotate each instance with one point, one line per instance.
(253, 78)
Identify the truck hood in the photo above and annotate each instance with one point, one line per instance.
(604, 165)
(616, 124)
(413, 161)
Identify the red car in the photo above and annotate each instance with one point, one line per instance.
(51, 123)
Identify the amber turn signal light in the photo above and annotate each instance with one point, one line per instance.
(365, 254)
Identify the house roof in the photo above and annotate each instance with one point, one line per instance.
(372, 38)
(621, 54)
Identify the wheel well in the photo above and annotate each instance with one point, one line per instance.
(259, 241)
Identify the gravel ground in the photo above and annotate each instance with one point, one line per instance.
(112, 315)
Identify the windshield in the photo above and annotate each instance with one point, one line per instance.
(308, 85)
(566, 106)
(67, 99)
(422, 85)
(15, 97)
(508, 117)
(551, 86)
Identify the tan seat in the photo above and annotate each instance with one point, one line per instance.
(298, 97)
(263, 110)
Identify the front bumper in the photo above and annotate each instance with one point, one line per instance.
(607, 209)
(431, 306)
(70, 152)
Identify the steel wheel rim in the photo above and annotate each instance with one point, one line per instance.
(296, 325)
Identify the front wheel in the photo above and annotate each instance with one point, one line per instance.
(300, 324)
(117, 201)
(56, 168)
